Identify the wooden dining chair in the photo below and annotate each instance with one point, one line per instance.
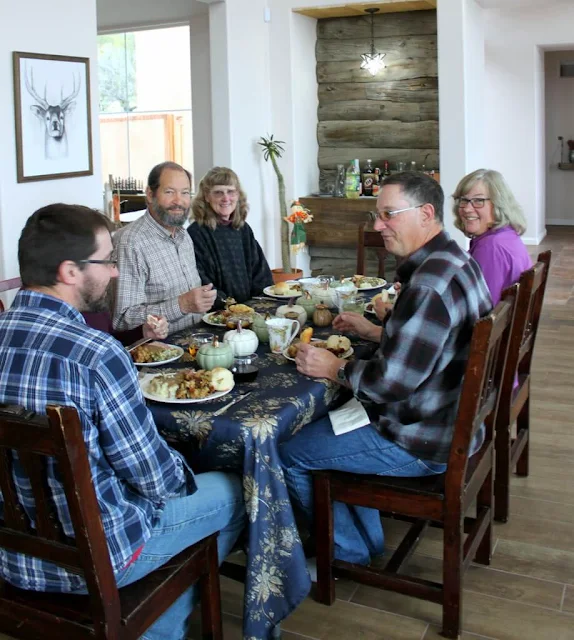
(370, 239)
(8, 285)
(513, 453)
(106, 612)
(441, 500)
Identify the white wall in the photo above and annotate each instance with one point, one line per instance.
(37, 26)
(559, 122)
(115, 15)
(515, 111)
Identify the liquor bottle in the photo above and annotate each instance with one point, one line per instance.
(386, 170)
(353, 180)
(377, 182)
(367, 179)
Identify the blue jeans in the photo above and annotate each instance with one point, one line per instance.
(217, 505)
(358, 530)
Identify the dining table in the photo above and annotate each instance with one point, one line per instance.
(245, 438)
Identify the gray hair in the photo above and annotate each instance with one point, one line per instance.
(506, 210)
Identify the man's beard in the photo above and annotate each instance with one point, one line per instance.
(92, 299)
(167, 218)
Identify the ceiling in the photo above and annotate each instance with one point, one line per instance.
(358, 9)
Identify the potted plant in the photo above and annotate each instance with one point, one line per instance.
(273, 149)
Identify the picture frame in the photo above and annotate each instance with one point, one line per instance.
(53, 119)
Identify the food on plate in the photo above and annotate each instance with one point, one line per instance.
(153, 352)
(228, 318)
(364, 282)
(338, 344)
(221, 379)
(286, 288)
(335, 344)
(386, 295)
(306, 335)
(241, 309)
(188, 384)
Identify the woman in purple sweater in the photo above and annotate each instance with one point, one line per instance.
(486, 210)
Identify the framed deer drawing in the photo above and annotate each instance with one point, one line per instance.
(53, 117)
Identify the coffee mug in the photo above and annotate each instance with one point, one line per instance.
(281, 333)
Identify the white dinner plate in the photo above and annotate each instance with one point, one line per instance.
(207, 318)
(382, 282)
(268, 291)
(343, 356)
(145, 380)
(162, 362)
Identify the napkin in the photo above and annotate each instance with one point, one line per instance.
(348, 417)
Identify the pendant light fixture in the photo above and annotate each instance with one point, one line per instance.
(373, 61)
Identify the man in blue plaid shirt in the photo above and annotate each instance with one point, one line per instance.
(409, 390)
(152, 507)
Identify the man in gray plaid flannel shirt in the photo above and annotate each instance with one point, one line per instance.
(156, 260)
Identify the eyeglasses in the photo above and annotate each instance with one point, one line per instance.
(477, 203)
(111, 263)
(387, 215)
(219, 193)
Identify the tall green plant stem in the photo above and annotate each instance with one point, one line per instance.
(285, 249)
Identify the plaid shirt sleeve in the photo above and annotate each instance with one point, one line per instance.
(129, 437)
(131, 306)
(413, 339)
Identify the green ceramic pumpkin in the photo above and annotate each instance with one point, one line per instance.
(308, 302)
(216, 354)
(260, 327)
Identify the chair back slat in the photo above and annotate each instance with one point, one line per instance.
(46, 519)
(480, 389)
(8, 285)
(14, 515)
(59, 436)
(523, 338)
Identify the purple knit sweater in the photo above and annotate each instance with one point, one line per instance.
(502, 257)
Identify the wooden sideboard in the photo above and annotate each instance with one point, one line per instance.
(336, 220)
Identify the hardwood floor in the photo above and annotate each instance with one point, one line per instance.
(528, 591)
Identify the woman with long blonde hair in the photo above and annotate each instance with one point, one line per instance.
(226, 251)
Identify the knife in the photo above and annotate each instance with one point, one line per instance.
(137, 343)
(229, 404)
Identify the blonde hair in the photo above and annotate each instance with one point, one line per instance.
(202, 212)
(506, 210)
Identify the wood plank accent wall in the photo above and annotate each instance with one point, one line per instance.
(392, 116)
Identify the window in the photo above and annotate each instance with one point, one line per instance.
(145, 101)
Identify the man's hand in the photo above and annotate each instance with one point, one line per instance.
(349, 322)
(382, 308)
(198, 300)
(156, 327)
(318, 363)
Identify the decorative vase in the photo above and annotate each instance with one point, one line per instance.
(281, 276)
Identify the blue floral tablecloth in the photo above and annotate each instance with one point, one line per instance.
(245, 439)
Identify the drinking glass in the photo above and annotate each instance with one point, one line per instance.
(196, 340)
(350, 301)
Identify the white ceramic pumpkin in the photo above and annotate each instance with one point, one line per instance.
(242, 341)
(292, 308)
